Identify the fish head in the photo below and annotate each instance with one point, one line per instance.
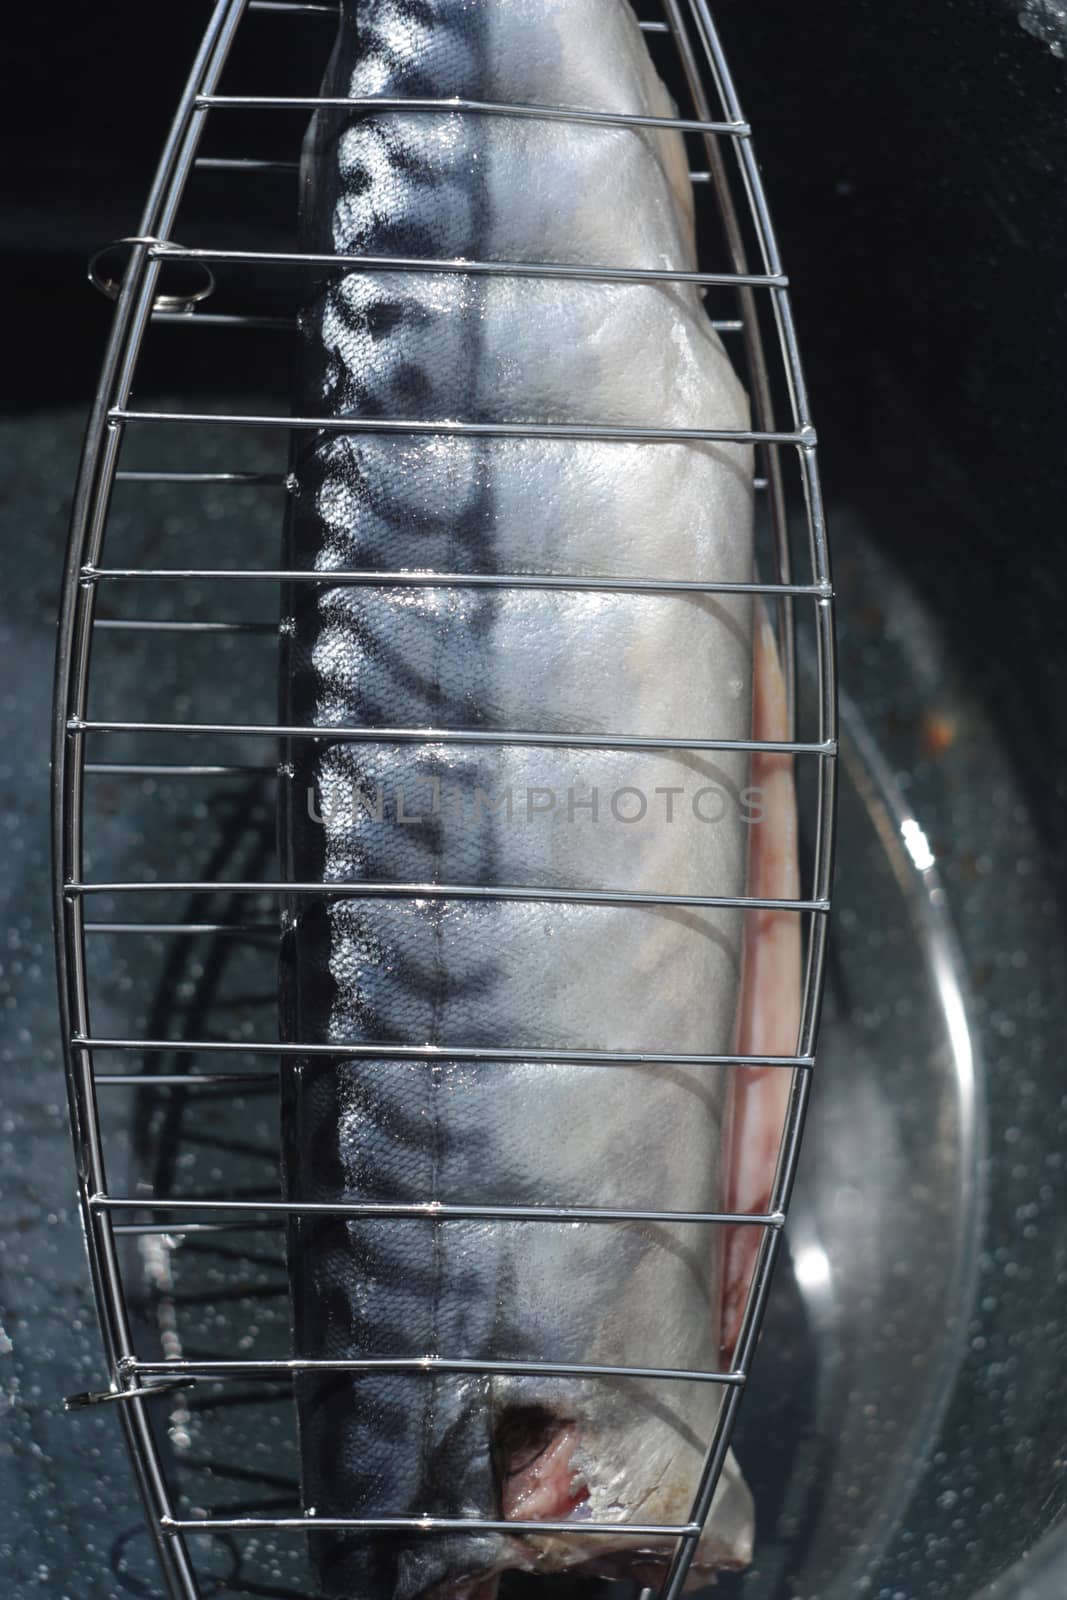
(573, 1453)
(610, 1452)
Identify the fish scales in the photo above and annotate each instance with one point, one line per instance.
(508, 974)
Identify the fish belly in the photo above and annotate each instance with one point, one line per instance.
(512, 974)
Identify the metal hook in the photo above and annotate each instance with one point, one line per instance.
(148, 1391)
(110, 287)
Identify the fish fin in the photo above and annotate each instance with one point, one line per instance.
(769, 1013)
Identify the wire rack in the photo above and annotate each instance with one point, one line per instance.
(756, 315)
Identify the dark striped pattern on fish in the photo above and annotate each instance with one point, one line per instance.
(510, 974)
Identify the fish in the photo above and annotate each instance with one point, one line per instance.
(491, 763)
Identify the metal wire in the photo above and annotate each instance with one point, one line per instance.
(762, 296)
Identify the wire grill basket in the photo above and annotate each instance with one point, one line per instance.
(227, 908)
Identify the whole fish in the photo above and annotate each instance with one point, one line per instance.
(502, 667)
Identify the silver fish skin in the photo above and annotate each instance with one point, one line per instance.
(509, 974)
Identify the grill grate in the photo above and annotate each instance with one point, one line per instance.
(760, 321)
